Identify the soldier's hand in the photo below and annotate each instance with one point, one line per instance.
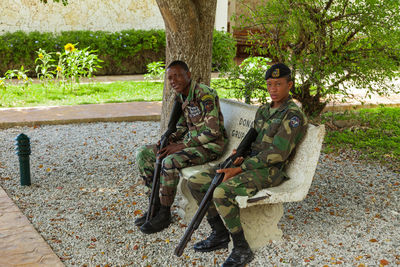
(233, 152)
(230, 172)
(238, 161)
(171, 149)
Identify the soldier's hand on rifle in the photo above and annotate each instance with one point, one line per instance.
(171, 149)
(230, 172)
(238, 160)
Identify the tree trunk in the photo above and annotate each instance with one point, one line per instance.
(311, 104)
(189, 26)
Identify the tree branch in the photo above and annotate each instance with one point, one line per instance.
(342, 16)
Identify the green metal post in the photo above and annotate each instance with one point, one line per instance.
(23, 148)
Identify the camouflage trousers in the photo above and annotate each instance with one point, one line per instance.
(247, 183)
(170, 166)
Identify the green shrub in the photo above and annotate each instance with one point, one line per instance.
(156, 71)
(223, 51)
(247, 80)
(125, 52)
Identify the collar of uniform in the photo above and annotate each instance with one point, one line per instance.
(284, 105)
(190, 95)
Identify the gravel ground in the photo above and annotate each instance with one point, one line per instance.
(86, 193)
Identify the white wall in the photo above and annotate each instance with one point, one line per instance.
(221, 17)
(105, 15)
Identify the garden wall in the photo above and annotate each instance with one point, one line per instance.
(105, 15)
(92, 15)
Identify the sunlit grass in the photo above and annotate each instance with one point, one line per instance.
(95, 93)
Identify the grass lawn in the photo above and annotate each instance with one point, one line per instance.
(374, 132)
(37, 95)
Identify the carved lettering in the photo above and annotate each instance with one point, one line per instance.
(238, 134)
(245, 122)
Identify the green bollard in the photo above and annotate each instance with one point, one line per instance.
(23, 148)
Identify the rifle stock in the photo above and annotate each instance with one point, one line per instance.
(155, 188)
(243, 147)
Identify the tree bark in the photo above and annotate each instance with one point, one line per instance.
(189, 26)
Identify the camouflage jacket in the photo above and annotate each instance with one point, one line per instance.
(201, 122)
(279, 131)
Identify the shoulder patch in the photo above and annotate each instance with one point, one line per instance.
(294, 122)
(208, 102)
(207, 97)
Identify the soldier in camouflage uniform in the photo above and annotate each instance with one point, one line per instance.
(280, 126)
(200, 137)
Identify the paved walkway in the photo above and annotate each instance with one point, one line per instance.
(20, 244)
(135, 111)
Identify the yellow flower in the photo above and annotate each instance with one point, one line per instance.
(58, 68)
(69, 47)
(40, 55)
(1, 81)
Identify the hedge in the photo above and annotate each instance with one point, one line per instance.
(125, 52)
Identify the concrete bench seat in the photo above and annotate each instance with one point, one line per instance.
(261, 213)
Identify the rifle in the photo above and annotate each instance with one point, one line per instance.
(243, 147)
(155, 188)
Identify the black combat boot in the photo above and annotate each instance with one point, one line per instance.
(140, 221)
(159, 222)
(241, 253)
(219, 237)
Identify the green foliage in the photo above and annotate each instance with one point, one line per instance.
(375, 132)
(65, 2)
(247, 79)
(125, 52)
(223, 51)
(3, 85)
(21, 75)
(330, 45)
(156, 71)
(45, 67)
(93, 93)
(74, 64)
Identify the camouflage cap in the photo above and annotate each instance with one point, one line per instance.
(277, 71)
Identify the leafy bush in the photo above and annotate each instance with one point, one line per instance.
(156, 71)
(125, 52)
(223, 51)
(247, 79)
(21, 75)
(331, 46)
(74, 64)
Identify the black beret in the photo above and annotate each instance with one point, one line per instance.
(277, 71)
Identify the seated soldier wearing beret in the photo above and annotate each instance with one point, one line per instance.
(280, 126)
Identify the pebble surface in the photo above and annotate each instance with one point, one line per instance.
(86, 194)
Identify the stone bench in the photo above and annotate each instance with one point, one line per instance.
(260, 214)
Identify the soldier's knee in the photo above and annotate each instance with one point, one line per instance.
(169, 163)
(140, 152)
(219, 193)
(192, 185)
